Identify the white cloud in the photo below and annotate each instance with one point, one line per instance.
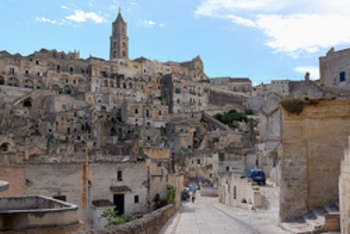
(292, 26)
(314, 71)
(45, 20)
(80, 16)
(149, 22)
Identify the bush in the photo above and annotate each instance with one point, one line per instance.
(292, 105)
(114, 219)
(232, 118)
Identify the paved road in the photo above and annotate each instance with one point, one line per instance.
(207, 216)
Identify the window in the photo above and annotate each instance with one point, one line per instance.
(61, 198)
(12, 71)
(37, 62)
(159, 113)
(120, 175)
(227, 168)
(136, 111)
(136, 199)
(147, 113)
(58, 68)
(234, 192)
(342, 76)
(27, 72)
(222, 82)
(198, 161)
(71, 70)
(148, 138)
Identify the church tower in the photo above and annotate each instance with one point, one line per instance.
(119, 47)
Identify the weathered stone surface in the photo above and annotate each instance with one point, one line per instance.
(313, 145)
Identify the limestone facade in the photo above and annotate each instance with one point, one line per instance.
(335, 69)
(313, 146)
(344, 193)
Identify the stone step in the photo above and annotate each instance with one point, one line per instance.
(297, 227)
(315, 221)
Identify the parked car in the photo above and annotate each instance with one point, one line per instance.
(257, 175)
(185, 194)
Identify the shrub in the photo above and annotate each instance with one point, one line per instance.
(232, 118)
(114, 219)
(292, 105)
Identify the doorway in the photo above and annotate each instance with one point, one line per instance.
(118, 201)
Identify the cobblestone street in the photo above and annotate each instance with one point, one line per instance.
(207, 216)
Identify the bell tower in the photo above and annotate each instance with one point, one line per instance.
(119, 41)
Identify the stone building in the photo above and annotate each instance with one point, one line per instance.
(335, 69)
(313, 147)
(237, 191)
(344, 193)
(185, 95)
(119, 41)
(240, 85)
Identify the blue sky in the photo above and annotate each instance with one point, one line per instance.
(260, 39)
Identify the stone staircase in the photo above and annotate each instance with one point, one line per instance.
(324, 219)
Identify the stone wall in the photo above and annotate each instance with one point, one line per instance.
(149, 224)
(15, 177)
(224, 98)
(313, 147)
(344, 193)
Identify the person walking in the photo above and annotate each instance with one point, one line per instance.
(193, 194)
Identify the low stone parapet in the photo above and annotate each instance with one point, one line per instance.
(149, 224)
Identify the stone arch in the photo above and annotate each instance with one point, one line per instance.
(27, 102)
